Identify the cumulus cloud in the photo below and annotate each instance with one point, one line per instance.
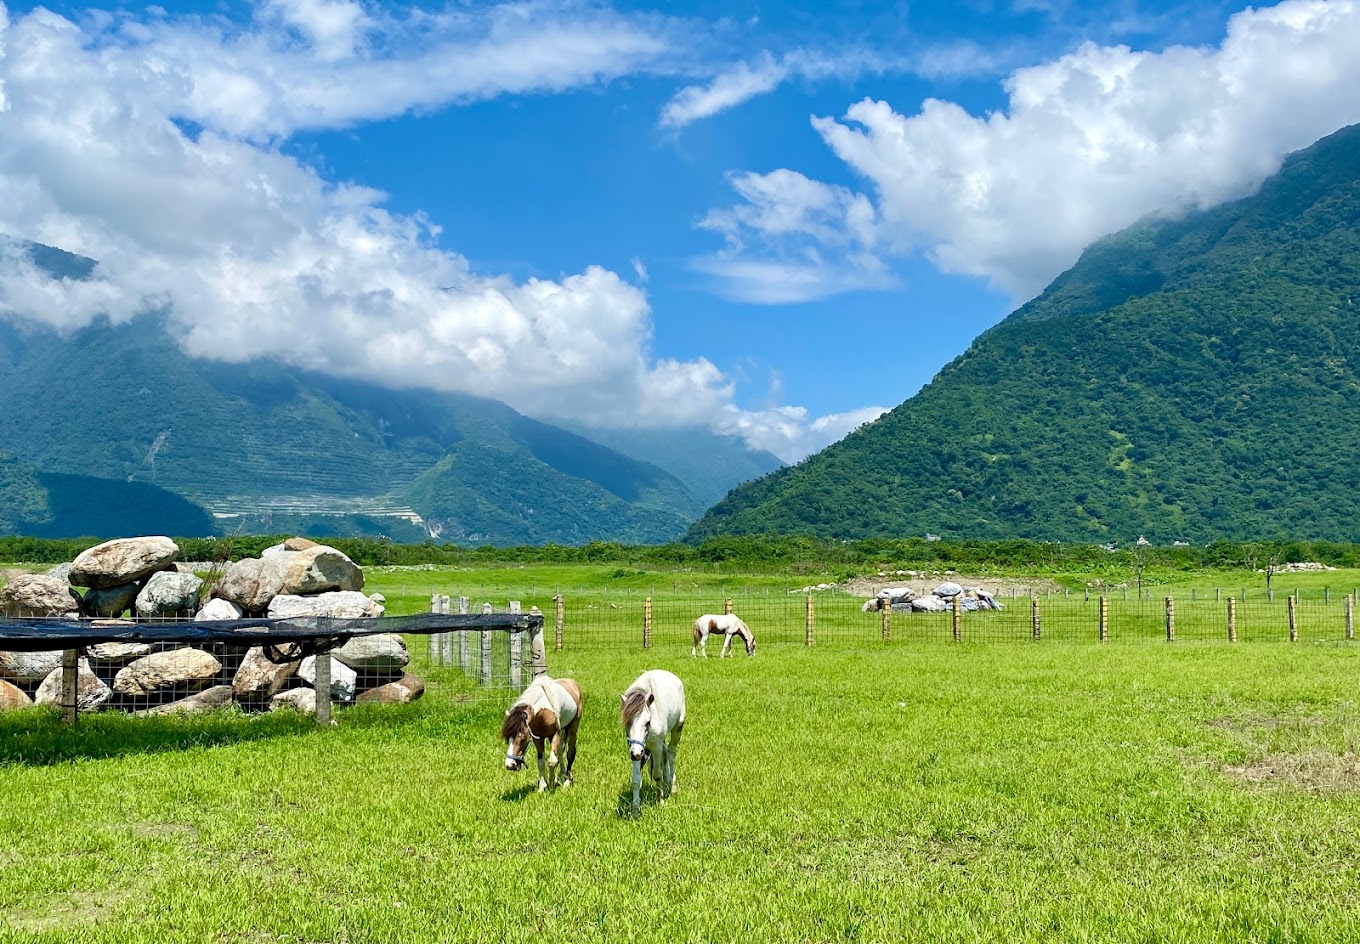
(790, 433)
(1088, 143)
(250, 253)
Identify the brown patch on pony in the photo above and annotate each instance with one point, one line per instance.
(516, 722)
(574, 691)
(712, 626)
(634, 700)
(544, 723)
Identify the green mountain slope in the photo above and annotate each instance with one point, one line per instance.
(267, 447)
(1186, 379)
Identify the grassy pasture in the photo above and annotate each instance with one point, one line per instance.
(858, 792)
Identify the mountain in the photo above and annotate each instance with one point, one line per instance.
(1188, 379)
(710, 464)
(268, 448)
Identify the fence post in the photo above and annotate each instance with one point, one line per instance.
(516, 658)
(486, 649)
(1170, 620)
(1034, 618)
(464, 653)
(446, 636)
(647, 623)
(1350, 616)
(70, 685)
(322, 665)
(885, 617)
(1293, 619)
(958, 617)
(1327, 595)
(1104, 618)
(809, 622)
(560, 606)
(434, 637)
(1232, 619)
(727, 606)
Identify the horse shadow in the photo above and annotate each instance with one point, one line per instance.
(650, 795)
(519, 793)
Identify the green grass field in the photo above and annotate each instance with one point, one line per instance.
(859, 792)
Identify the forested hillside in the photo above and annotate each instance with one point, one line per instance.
(1190, 379)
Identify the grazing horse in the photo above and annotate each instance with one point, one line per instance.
(653, 720)
(548, 711)
(729, 625)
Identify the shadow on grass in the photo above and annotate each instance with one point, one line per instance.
(37, 736)
(519, 793)
(650, 795)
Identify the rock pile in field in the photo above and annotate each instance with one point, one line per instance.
(906, 600)
(143, 578)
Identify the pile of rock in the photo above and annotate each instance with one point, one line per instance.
(905, 599)
(141, 577)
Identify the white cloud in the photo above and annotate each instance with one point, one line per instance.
(1088, 144)
(253, 254)
(790, 433)
(741, 83)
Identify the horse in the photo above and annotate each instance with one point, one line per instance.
(729, 625)
(653, 715)
(548, 711)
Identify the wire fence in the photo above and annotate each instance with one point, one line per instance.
(592, 619)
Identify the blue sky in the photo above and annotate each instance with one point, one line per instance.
(772, 219)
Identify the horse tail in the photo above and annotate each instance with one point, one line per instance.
(698, 630)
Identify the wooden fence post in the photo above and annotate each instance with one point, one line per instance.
(516, 658)
(1293, 619)
(322, 666)
(538, 656)
(434, 637)
(1232, 619)
(1350, 616)
(486, 649)
(809, 623)
(70, 685)
(1170, 620)
(1104, 618)
(727, 606)
(558, 620)
(886, 618)
(1034, 618)
(464, 649)
(446, 636)
(958, 617)
(647, 623)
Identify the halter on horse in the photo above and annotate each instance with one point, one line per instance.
(548, 711)
(729, 625)
(653, 714)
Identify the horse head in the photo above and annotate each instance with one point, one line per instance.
(515, 731)
(636, 714)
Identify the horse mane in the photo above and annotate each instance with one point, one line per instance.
(634, 700)
(516, 722)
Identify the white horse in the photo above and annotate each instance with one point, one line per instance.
(729, 625)
(653, 720)
(548, 711)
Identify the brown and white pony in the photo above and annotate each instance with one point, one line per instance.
(729, 625)
(548, 712)
(653, 715)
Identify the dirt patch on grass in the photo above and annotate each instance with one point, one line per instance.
(68, 910)
(1315, 771)
(1295, 749)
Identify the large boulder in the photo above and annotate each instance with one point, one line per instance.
(218, 610)
(29, 666)
(91, 692)
(381, 654)
(219, 696)
(319, 569)
(929, 604)
(61, 572)
(123, 560)
(299, 544)
(169, 594)
(185, 669)
(341, 604)
(251, 583)
(258, 678)
(343, 678)
(117, 652)
(297, 699)
(110, 602)
(28, 595)
(12, 696)
(405, 689)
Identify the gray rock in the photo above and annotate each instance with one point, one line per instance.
(12, 696)
(258, 679)
(110, 602)
(116, 652)
(319, 569)
(384, 653)
(218, 610)
(345, 604)
(182, 668)
(38, 595)
(251, 583)
(91, 692)
(169, 594)
(29, 666)
(947, 590)
(405, 689)
(299, 544)
(211, 699)
(929, 604)
(61, 572)
(343, 678)
(121, 561)
(297, 699)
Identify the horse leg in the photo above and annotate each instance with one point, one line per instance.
(571, 750)
(637, 786)
(703, 645)
(542, 769)
(671, 751)
(554, 758)
(727, 647)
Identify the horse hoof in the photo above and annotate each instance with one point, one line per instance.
(566, 783)
(542, 786)
(552, 760)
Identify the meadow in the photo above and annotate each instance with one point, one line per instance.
(859, 790)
